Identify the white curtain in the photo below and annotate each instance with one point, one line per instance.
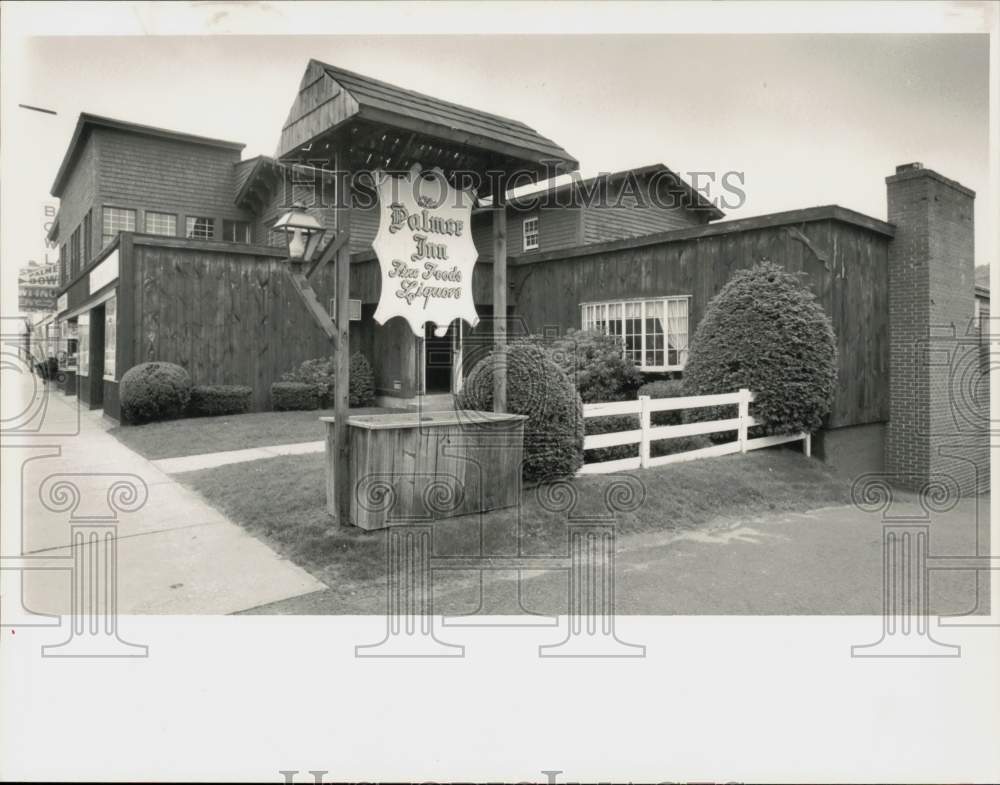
(677, 329)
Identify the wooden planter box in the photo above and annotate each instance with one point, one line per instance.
(415, 468)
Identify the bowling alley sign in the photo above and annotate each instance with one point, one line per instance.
(425, 251)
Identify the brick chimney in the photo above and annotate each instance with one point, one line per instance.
(933, 358)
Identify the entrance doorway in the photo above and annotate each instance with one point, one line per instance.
(443, 360)
(97, 357)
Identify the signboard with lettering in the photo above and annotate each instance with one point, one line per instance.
(425, 249)
(37, 285)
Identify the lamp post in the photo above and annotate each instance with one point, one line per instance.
(303, 234)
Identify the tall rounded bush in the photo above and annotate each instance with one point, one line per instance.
(766, 331)
(154, 391)
(538, 388)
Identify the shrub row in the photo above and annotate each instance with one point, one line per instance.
(213, 400)
(154, 391)
(320, 374)
(294, 396)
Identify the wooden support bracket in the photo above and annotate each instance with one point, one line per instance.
(308, 296)
(328, 253)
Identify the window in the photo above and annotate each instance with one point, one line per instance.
(74, 253)
(654, 333)
(81, 250)
(116, 219)
(110, 333)
(530, 227)
(235, 231)
(161, 223)
(63, 263)
(200, 228)
(88, 239)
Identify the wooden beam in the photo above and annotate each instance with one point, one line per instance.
(329, 252)
(312, 303)
(342, 356)
(499, 300)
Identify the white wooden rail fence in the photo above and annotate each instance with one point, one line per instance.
(646, 433)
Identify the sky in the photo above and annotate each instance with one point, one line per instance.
(808, 119)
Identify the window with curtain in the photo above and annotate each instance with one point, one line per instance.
(653, 332)
(200, 228)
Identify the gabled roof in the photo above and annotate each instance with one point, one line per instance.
(383, 125)
(244, 172)
(88, 122)
(697, 201)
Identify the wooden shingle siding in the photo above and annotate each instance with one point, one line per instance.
(165, 175)
(630, 216)
(79, 191)
(364, 223)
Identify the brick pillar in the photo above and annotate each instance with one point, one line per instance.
(931, 303)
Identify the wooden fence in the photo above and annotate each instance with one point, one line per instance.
(645, 406)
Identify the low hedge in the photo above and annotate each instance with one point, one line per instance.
(294, 396)
(213, 400)
(623, 422)
(150, 392)
(320, 373)
(665, 388)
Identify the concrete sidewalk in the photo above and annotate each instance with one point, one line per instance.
(176, 554)
(193, 463)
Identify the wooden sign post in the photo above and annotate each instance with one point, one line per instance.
(499, 301)
(342, 356)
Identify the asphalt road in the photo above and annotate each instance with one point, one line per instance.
(823, 562)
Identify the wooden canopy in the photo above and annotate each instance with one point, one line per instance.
(375, 125)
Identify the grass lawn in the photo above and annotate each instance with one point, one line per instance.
(282, 501)
(199, 435)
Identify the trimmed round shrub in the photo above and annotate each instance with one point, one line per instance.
(294, 396)
(213, 400)
(150, 392)
(765, 331)
(596, 365)
(320, 372)
(362, 381)
(538, 388)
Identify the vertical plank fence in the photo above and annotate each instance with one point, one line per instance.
(644, 408)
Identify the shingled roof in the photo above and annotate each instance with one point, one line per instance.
(380, 125)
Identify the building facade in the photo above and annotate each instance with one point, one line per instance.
(168, 253)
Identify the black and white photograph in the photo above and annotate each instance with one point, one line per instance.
(504, 391)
